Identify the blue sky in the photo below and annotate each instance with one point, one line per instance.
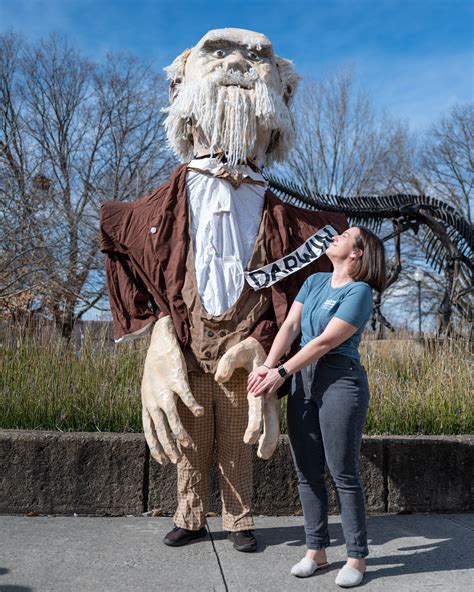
(414, 58)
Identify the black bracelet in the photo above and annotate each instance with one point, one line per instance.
(265, 366)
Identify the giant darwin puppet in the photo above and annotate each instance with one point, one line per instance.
(211, 262)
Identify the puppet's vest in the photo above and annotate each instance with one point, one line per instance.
(211, 336)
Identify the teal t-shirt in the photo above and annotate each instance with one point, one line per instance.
(352, 303)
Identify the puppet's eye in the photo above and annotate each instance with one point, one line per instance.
(219, 53)
(253, 56)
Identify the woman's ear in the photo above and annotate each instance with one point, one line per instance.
(357, 253)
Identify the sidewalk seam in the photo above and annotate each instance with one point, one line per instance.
(146, 480)
(217, 557)
(459, 523)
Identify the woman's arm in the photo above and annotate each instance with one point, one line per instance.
(336, 332)
(288, 332)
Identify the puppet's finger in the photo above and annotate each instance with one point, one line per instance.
(164, 436)
(176, 425)
(252, 433)
(185, 394)
(271, 428)
(151, 438)
(226, 367)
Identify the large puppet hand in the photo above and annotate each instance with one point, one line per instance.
(249, 354)
(164, 379)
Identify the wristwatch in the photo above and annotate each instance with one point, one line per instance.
(282, 371)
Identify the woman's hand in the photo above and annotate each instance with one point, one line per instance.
(267, 384)
(255, 377)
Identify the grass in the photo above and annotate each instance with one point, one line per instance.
(45, 384)
(416, 388)
(420, 388)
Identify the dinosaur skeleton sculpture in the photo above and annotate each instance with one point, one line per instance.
(448, 237)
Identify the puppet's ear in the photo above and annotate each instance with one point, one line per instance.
(173, 89)
(289, 78)
(175, 74)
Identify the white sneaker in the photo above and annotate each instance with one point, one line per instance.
(349, 577)
(306, 567)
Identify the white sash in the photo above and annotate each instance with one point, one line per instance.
(311, 249)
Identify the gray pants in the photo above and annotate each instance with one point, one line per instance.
(327, 408)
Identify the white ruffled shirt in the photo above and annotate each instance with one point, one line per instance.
(224, 228)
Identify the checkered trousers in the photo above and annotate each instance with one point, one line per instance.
(224, 423)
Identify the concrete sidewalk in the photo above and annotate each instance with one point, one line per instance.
(79, 554)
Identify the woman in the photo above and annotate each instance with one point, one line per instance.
(329, 398)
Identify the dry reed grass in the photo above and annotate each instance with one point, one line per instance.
(416, 388)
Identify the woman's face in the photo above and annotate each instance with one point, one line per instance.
(343, 245)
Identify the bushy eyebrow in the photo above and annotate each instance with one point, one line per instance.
(262, 50)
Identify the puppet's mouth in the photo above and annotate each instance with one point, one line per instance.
(236, 84)
(237, 79)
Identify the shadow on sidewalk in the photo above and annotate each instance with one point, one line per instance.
(443, 545)
(12, 587)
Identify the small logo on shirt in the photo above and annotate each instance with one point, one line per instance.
(328, 304)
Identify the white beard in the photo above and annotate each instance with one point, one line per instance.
(229, 116)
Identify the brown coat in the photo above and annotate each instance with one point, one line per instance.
(146, 244)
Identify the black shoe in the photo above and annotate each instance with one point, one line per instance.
(182, 536)
(244, 540)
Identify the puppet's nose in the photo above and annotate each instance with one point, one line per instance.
(237, 63)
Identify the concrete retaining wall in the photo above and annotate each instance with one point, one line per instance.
(112, 474)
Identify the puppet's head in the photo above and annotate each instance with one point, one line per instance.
(231, 95)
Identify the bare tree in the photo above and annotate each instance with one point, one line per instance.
(446, 170)
(73, 134)
(447, 158)
(441, 165)
(343, 147)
